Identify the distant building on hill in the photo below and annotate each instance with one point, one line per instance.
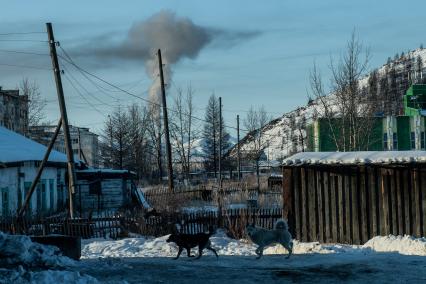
(415, 100)
(389, 133)
(13, 111)
(83, 142)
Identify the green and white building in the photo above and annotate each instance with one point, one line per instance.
(389, 133)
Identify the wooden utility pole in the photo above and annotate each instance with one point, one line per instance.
(238, 148)
(220, 143)
(64, 117)
(166, 125)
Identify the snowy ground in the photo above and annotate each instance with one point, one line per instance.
(150, 260)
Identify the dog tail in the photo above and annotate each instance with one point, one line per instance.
(281, 224)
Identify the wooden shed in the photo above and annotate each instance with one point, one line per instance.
(103, 189)
(350, 197)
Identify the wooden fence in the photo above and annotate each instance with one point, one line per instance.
(352, 204)
(117, 225)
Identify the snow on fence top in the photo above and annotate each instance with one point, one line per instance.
(17, 148)
(356, 158)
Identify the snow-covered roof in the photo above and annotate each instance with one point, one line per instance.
(107, 171)
(354, 158)
(15, 147)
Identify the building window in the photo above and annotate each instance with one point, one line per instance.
(385, 141)
(43, 195)
(19, 196)
(51, 193)
(27, 186)
(395, 141)
(39, 202)
(5, 201)
(422, 140)
(413, 140)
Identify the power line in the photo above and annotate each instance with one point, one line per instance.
(83, 97)
(81, 86)
(25, 66)
(20, 33)
(23, 52)
(24, 40)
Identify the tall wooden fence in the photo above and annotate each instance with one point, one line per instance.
(352, 204)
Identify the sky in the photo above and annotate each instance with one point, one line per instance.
(254, 52)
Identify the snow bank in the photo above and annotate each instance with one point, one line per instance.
(158, 247)
(407, 245)
(47, 276)
(15, 250)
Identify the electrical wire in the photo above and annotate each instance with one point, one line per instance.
(23, 52)
(25, 66)
(20, 33)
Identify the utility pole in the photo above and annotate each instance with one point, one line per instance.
(238, 148)
(220, 143)
(64, 117)
(166, 125)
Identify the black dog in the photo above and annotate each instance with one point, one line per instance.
(189, 241)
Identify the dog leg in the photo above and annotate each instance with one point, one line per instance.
(180, 251)
(288, 247)
(259, 252)
(188, 251)
(213, 250)
(200, 252)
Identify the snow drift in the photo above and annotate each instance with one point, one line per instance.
(20, 250)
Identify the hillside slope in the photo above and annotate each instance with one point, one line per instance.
(286, 135)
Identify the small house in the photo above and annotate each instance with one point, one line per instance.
(350, 197)
(104, 189)
(19, 161)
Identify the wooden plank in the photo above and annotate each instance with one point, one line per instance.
(355, 211)
(363, 183)
(288, 213)
(393, 206)
(407, 196)
(320, 212)
(297, 203)
(399, 202)
(423, 200)
(347, 209)
(416, 202)
(340, 217)
(373, 201)
(333, 209)
(311, 205)
(304, 207)
(327, 213)
(384, 202)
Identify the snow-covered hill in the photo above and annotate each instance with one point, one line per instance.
(285, 135)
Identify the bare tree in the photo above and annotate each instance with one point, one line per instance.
(155, 132)
(254, 122)
(182, 128)
(347, 111)
(36, 103)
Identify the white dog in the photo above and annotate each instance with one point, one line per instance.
(263, 237)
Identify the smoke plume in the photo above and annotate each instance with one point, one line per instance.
(177, 37)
